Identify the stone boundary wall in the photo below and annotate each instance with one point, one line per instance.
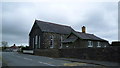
(101, 54)
(47, 52)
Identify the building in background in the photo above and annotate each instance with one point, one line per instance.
(46, 35)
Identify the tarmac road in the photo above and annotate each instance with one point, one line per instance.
(17, 59)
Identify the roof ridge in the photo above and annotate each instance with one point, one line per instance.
(53, 23)
(83, 33)
(88, 35)
(53, 27)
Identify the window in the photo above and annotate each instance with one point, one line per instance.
(61, 41)
(98, 44)
(39, 42)
(51, 42)
(90, 44)
(33, 43)
(36, 40)
(67, 46)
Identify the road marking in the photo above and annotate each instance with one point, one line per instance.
(27, 58)
(74, 64)
(46, 63)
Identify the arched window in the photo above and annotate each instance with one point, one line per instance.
(39, 42)
(36, 41)
(51, 41)
(33, 43)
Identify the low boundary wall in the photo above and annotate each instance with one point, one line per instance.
(101, 54)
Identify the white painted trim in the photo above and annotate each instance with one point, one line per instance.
(36, 41)
(90, 44)
(52, 39)
(98, 44)
(28, 51)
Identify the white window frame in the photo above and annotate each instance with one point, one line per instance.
(36, 41)
(67, 46)
(98, 44)
(90, 44)
(52, 39)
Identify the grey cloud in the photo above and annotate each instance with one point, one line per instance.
(18, 18)
(98, 24)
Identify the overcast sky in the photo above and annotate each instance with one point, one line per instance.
(100, 18)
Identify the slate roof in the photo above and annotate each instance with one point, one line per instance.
(87, 36)
(70, 40)
(84, 36)
(52, 27)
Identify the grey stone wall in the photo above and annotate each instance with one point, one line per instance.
(84, 44)
(101, 54)
(56, 39)
(35, 31)
(47, 52)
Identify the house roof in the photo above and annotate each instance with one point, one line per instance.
(69, 40)
(87, 36)
(84, 36)
(52, 27)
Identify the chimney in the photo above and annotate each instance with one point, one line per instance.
(83, 29)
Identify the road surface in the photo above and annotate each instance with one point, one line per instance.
(17, 59)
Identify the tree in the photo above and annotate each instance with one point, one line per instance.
(4, 44)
